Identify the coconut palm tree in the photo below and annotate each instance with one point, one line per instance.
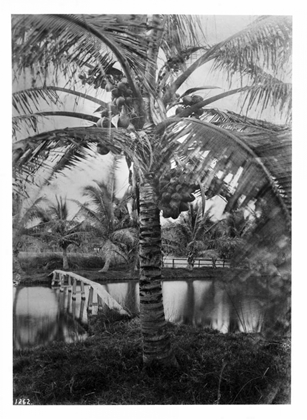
(109, 222)
(193, 233)
(27, 215)
(144, 62)
(59, 228)
(230, 235)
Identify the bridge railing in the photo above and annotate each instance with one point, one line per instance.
(97, 294)
(177, 262)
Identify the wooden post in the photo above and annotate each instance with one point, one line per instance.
(173, 265)
(73, 310)
(53, 278)
(61, 282)
(82, 291)
(90, 299)
(69, 283)
(100, 306)
(81, 309)
(74, 289)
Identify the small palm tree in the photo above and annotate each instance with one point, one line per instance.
(27, 216)
(192, 231)
(108, 221)
(230, 234)
(59, 229)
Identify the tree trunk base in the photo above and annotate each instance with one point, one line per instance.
(157, 365)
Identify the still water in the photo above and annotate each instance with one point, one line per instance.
(42, 315)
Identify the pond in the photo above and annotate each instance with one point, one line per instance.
(42, 314)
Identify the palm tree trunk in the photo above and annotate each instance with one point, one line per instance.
(65, 259)
(156, 340)
(106, 265)
(191, 259)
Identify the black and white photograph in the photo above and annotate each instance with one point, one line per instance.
(151, 210)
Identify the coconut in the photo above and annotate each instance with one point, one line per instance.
(199, 112)
(174, 204)
(196, 99)
(120, 101)
(166, 196)
(187, 197)
(115, 93)
(187, 100)
(105, 113)
(102, 150)
(183, 206)
(129, 101)
(179, 109)
(166, 212)
(123, 121)
(175, 213)
(122, 87)
(109, 87)
(176, 196)
(100, 122)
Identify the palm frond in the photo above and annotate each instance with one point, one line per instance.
(181, 35)
(30, 100)
(200, 142)
(135, 146)
(79, 39)
(235, 122)
(102, 198)
(32, 119)
(197, 89)
(124, 236)
(265, 44)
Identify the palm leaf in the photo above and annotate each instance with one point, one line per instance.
(29, 100)
(32, 119)
(265, 43)
(196, 89)
(191, 138)
(80, 39)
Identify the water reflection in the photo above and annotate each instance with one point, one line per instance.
(43, 315)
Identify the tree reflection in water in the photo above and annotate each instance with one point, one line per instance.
(42, 315)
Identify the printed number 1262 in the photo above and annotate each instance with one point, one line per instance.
(22, 401)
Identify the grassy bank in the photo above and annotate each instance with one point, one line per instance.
(107, 369)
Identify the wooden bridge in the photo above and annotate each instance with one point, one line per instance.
(97, 296)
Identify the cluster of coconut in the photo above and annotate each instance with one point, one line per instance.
(120, 106)
(187, 102)
(95, 78)
(175, 192)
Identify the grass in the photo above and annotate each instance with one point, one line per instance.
(107, 369)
